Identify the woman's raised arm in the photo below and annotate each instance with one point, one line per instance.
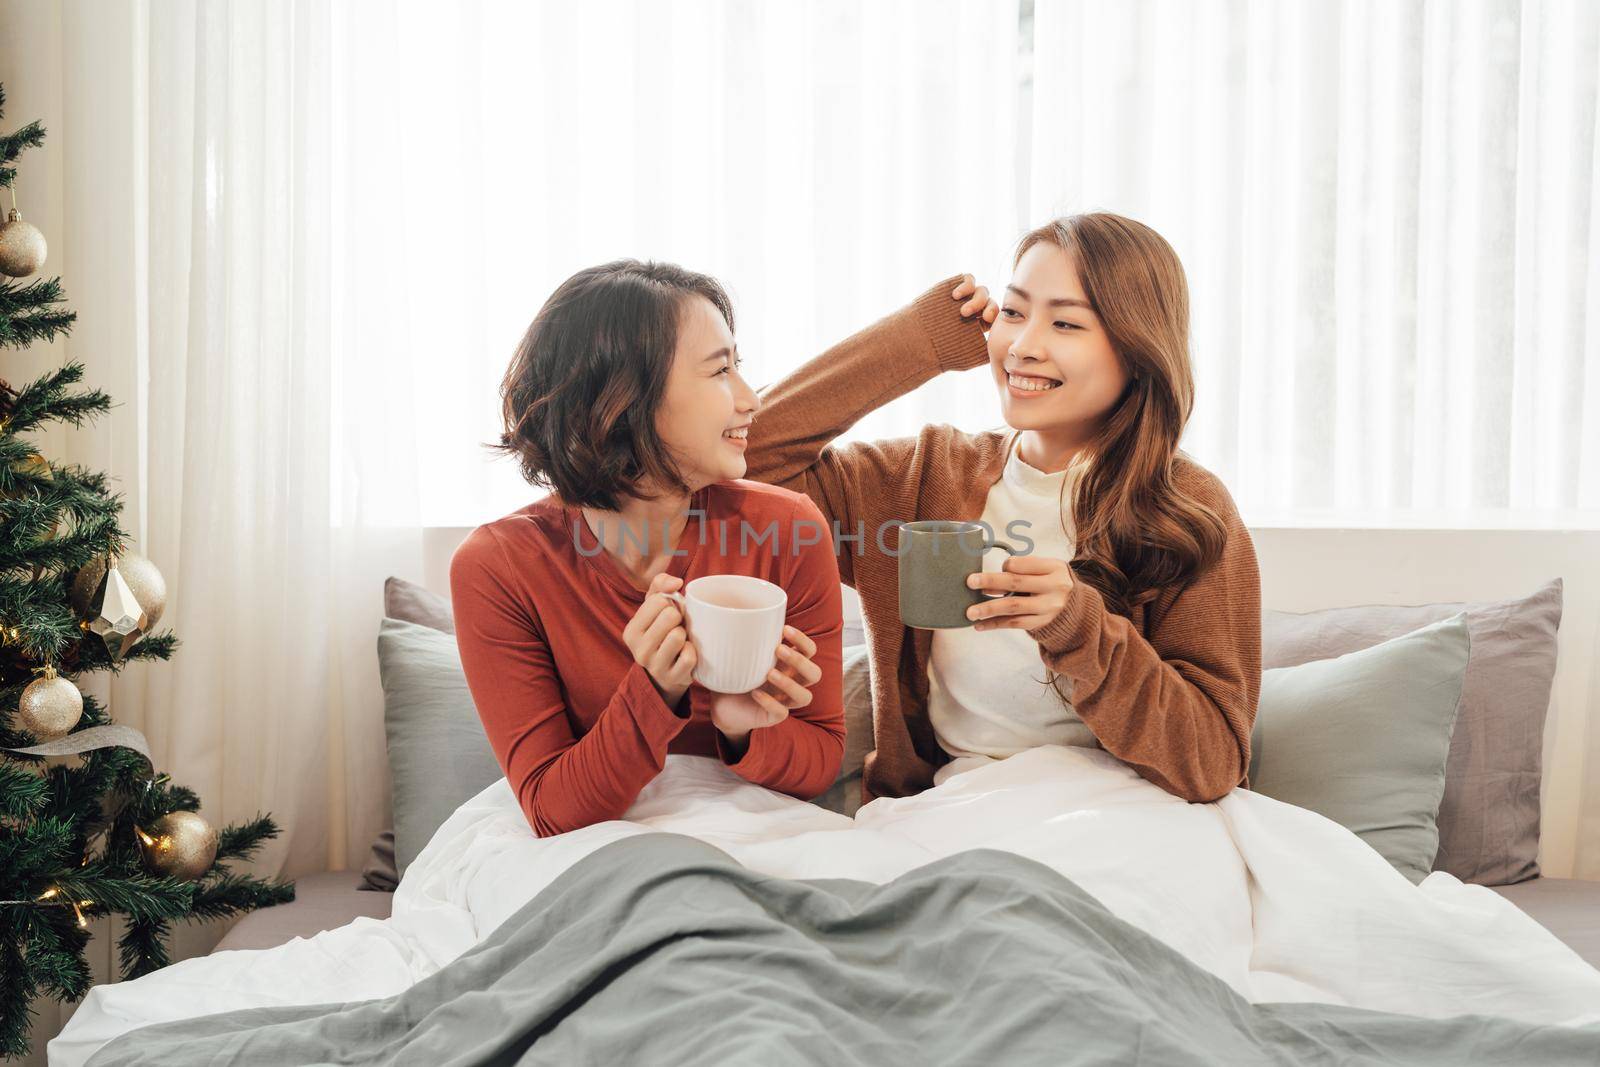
(801, 415)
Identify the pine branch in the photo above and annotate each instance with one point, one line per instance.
(55, 952)
(55, 513)
(142, 948)
(17, 990)
(30, 136)
(17, 297)
(94, 656)
(139, 896)
(22, 794)
(31, 850)
(68, 552)
(180, 798)
(234, 893)
(47, 397)
(20, 331)
(13, 145)
(241, 842)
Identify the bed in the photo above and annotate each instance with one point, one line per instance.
(1569, 908)
(1216, 938)
(1001, 913)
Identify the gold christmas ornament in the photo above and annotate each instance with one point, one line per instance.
(148, 587)
(142, 577)
(50, 706)
(180, 845)
(84, 584)
(109, 602)
(22, 246)
(121, 602)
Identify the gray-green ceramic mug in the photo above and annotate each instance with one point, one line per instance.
(936, 556)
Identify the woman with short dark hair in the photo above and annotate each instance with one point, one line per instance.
(624, 398)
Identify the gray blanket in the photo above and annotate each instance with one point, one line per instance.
(660, 949)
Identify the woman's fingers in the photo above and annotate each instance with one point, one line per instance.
(1002, 606)
(965, 287)
(1035, 564)
(665, 657)
(804, 668)
(664, 623)
(791, 692)
(1013, 622)
(800, 640)
(977, 302)
(776, 712)
(647, 615)
(1005, 582)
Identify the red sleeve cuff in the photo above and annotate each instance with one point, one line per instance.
(644, 702)
(754, 764)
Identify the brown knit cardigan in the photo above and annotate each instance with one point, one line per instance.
(1170, 691)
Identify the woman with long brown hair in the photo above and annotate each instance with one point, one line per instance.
(1133, 620)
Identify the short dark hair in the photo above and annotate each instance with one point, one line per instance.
(579, 400)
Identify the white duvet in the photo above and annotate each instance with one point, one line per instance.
(1281, 903)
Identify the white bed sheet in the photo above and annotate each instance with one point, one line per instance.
(1280, 902)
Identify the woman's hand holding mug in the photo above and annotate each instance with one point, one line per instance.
(1038, 586)
(659, 642)
(786, 688)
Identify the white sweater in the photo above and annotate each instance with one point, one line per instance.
(989, 694)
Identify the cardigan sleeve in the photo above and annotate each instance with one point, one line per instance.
(801, 754)
(800, 415)
(1178, 703)
(561, 781)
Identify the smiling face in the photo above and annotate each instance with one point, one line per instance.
(707, 408)
(1051, 357)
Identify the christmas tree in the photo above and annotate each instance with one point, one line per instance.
(99, 833)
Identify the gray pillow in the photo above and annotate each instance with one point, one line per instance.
(380, 873)
(439, 756)
(844, 796)
(412, 603)
(418, 604)
(1489, 817)
(1363, 738)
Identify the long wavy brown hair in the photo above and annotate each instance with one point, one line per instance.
(1137, 531)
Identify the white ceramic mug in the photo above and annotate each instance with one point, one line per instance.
(735, 623)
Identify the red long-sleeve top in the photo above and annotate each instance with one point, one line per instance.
(577, 725)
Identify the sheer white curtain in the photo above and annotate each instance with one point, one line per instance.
(1389, 213)
(199, 140)
(827, 161)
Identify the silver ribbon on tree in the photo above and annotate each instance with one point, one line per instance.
(94, 737)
